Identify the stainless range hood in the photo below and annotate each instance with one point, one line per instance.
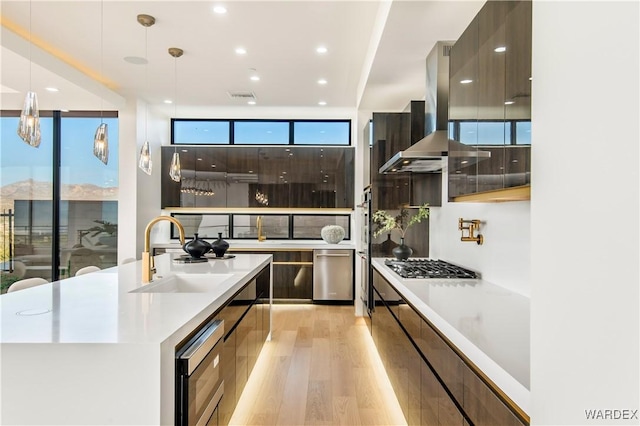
(430, 154)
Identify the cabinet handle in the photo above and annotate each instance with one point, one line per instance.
(294, 263)
(199, 349)
(333, 255)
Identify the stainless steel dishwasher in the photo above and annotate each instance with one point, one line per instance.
(333, 275)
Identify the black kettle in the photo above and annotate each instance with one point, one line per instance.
(196, 247)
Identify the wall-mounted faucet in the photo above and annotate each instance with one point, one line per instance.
(472, 226)
(148, 266)
(259, 226)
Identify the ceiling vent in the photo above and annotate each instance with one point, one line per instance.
(242, 95)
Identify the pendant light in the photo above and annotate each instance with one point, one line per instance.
(101, 138)
(175, 171)
(145, 163)
(29, 124)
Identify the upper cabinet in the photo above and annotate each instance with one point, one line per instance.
(394, 132)
(247, 176)
(490, 105)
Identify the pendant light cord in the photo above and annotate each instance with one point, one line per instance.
(101, 57)
(146, 79)
(30, 42)
(175, 94)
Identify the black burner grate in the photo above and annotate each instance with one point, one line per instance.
(428, 268)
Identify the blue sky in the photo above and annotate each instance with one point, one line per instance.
(19, 161)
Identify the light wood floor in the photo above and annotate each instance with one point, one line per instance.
(320, 368)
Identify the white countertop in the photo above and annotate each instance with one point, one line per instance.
(486, 322)
(85, 350)
(271, 244)
(99, 308)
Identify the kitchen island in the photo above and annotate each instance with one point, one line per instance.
(100, 348)
(474, 333)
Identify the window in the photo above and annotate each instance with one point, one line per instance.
(261, 132)
(523, 132)
(308, 227)
(322, 132)
(245, 226)
(200, 132)
(205, 225)
(86, 208)
(274, 227)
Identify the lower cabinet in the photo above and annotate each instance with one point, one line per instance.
(292, 272)
(246, 318)
(434, 386)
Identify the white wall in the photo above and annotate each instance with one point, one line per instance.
(584, 211)
(127, 188)
(503, 258)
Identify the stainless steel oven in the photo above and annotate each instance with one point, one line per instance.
(199, 384)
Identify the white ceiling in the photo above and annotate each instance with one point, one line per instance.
(375, 58)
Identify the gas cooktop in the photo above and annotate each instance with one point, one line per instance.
(428, 268)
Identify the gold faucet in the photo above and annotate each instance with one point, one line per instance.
(472, 226)
(259, 226)
(148, 266)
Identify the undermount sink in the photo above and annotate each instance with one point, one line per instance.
(184, 283)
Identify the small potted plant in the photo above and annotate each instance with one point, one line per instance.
(401, 222)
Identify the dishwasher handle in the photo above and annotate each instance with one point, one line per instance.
(200, 346)
(333, 255)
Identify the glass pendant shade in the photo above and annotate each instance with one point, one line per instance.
(175, 172)
(144, 162)
(101, 143)
(29, 125)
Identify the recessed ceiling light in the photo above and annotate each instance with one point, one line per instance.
(500, 49)
(321, 49)
(509, 102)
(213, 165)
(241, 51)
(199, 159)
(250, 171)
(220, 10)
(168, 101)
(251, 102)
(322, 81)
(467, 81)
(254, 78)
(52, 89)
(322, 103)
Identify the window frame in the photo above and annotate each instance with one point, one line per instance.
(232, 123)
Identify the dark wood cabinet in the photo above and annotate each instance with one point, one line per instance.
(433, 384)
(391, 133)
(292, 273)
(286, 176)
(246, 319)
(490, 103)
